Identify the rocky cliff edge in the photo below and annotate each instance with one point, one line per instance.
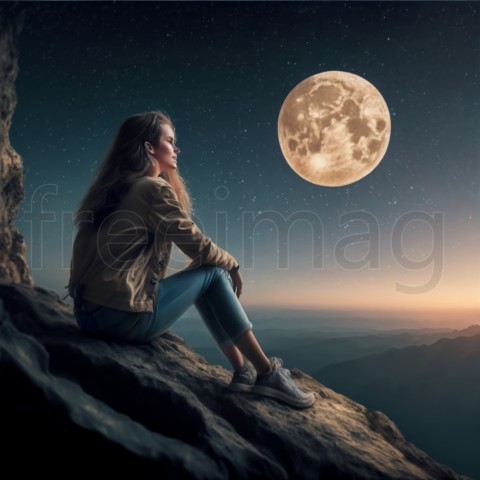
(13, 265)
(159, 407)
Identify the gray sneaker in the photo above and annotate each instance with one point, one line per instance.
(280, 385)
(243, 380)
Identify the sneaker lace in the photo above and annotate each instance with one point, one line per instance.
(276, 362)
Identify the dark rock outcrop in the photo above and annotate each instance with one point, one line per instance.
(161, 408)
(13, 266)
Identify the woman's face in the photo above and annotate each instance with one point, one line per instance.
(165, 153)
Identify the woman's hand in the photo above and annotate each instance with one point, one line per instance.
(237, 281)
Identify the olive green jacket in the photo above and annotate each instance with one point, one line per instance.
(119, 264)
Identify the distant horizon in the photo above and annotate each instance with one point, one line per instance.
(456, 317)
(295, 299)
(353, 318)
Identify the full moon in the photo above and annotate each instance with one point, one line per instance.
(334, 128)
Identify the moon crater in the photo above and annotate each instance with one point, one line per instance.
(334, 128)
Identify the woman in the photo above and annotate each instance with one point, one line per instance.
(136, 207)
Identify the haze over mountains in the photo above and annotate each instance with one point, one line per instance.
(426, 379)
(310, 343)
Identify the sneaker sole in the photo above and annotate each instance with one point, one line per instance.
(293, 401)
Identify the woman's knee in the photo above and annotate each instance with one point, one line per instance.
(216, 271)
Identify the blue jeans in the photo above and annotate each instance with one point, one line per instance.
(206, 287)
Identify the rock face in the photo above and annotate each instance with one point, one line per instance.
(13, 266)
(162, 409)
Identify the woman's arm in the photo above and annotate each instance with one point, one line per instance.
(170, 222)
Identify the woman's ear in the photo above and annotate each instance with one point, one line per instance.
(149, 148)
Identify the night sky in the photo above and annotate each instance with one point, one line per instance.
(222, 71)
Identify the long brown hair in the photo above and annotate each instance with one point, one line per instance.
(126, 161)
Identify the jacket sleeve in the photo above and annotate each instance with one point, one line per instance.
(170, 222)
